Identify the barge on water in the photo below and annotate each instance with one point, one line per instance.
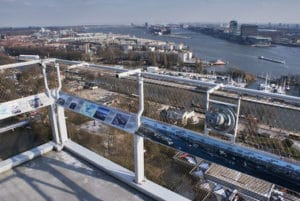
(272, 60)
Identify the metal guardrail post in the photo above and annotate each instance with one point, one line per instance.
(206, 131)
(51, 111)
(211, 90)
(44, 66)
(61, 120)
(138, 140)
(237, 119)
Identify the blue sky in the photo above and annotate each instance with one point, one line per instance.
(105, 12)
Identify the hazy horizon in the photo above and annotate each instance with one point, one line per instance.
(26, 13)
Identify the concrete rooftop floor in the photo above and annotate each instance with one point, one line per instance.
(61, 176)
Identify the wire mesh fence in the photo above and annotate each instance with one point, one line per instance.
(271, 127)
(23, 132)
(30, 125)
(102, 87)
(25, 81)
(264, 124)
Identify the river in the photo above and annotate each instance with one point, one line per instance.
(239, 56)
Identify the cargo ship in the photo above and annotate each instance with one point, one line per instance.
(272, 60)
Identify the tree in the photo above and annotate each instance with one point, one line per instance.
(287, 142)
(152, 59)
(4, 59)
(164, 59)
(199, 67)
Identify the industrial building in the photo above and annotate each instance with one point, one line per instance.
(248, 185)
(233, 27)
(249, 30)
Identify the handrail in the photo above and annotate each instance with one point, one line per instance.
(26, 63)
(59, 80)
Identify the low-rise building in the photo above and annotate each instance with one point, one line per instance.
(243, 183)
(27, 57)
(249, 30)
(185, 56)
(127, 48)
(259, 40)
(152, 69)
(3, 36)
(179, 46)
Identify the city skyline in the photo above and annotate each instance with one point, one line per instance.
(102, 12)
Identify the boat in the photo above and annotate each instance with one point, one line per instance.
(266, 87)
(218, 62)
(272, 88)
(279, 90)
(272, 60)
(287, 86)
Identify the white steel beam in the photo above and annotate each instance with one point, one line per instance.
(21, 64)
(138, 140)
(139, 159)
(61, 123)
(237, 119)
(26, 63)
(14, 126)
(25, 156)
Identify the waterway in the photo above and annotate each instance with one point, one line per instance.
(239, 56)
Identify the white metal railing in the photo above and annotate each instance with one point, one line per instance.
(60, 136)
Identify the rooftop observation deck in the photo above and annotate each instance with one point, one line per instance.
(62, 176)
(250, 131)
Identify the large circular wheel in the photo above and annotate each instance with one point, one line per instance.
(220, 118)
